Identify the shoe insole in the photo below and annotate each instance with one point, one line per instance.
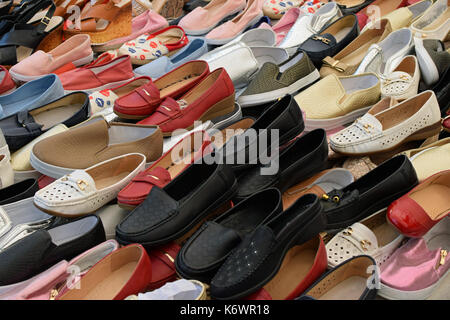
(246, 219)
(106, 182)
(350, 3)
(341, 34)
(349, 289)
(110, 285)
(296, 265)
(439, 21)
(124, 90)
(164, 92)
(52, 117)
(439, 241)
(358, 54)
(384, 7)
(73, 230)
(434, 199)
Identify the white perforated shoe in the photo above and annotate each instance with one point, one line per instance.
(373, 236)
(85, 191)
(383, 57)
(435, 23)
(386, 127)
(403, 82)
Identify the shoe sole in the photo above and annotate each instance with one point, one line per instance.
(429, 70)
(257, 99)
(419, 135)
(334, 123)
(395, 294)
(76, 63)
(55, 172)
(104, 87)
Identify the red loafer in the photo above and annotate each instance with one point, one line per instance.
(143, 101)
(163, 267)
(123, 272)
(211, 98)
(415, 213)
(166, 168)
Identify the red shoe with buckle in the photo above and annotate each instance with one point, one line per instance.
(143, 101)
(163, 267)
(415, 213)
(99, 75)
(211, 98)
(165, 169)
(120, 274)
(307, 262)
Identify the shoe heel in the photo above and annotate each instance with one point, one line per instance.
(219, 109)
(426, 132)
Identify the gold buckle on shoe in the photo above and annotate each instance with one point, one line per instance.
(364, 244)
(324, 40)
(82, 184)
(45, 20)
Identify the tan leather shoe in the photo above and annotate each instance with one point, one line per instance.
(92, 143)
(347, 61)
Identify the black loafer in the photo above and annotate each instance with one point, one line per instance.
(19, 191)
(331, 39)
(43, 248)
(259, 256)
(23, 127)
(304, 157)
(245, 150)
(349, 280)
(168, 214)
(203, 254)
(369, 194)
(346, 10)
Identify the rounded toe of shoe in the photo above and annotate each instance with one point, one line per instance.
(404, 218)
(133, 194)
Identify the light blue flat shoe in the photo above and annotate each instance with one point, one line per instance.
(31, 95)
(159, 67)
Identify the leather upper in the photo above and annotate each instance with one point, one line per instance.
(370, 193)
(74, 151)
(167, 214)
(253, 262)
(206, 250)
(298, 161)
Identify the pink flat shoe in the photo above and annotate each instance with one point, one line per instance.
(282, 27)
(202, 20)
(147, 22)
(231, 29)
(418, 267)
(76, 50)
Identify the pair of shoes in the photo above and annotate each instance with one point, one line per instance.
(144, 100)
(307, 25)
(212, 96)
(250, 233)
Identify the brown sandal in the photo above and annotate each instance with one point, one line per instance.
(104, 22)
